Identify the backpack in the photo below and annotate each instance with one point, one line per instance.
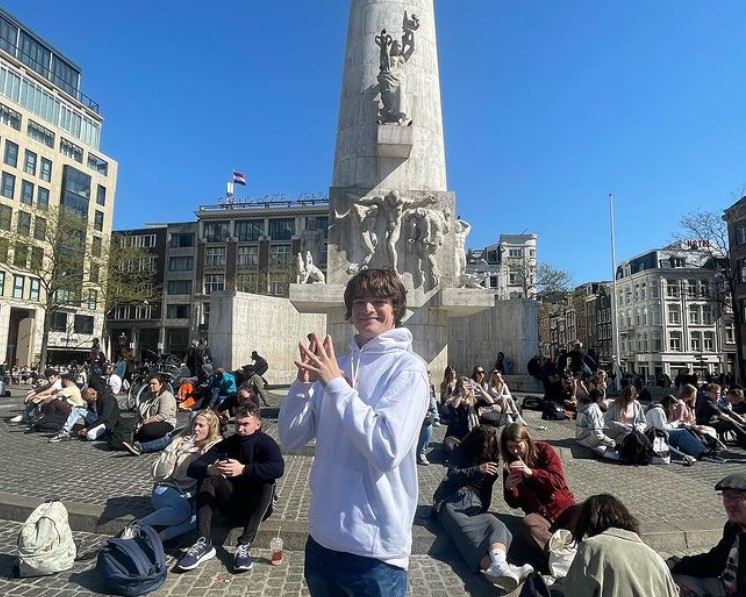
(659, 439)
(636, 448)
(551, 411)
(532, 403)
(45, 542)
(132, 566)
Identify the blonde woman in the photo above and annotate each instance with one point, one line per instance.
(173, 491)
(498, 399)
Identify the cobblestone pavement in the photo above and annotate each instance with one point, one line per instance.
(662, 497)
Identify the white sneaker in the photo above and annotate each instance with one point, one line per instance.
(502, 576)
(17, 419)
(522, 572)
(422, 459)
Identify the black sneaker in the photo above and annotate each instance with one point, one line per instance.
(713, 458)
(197, 553)
(243, 561)
(60, 437)
(132, 448)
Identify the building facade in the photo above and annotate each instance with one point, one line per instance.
(511, 264)
(735, 218)
(51, 160)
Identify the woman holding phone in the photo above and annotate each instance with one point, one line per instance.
(534, 481)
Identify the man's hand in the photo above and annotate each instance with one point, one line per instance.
(319, 364)
(489, 468)
(228, 468)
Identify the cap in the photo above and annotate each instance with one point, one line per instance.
(734, 482)
(49, 372)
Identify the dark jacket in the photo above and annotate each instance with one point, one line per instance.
(258, 451)
(107, 410)
(462, 473)
(711, 564)
(545, 492)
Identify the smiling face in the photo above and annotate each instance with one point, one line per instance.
(371, 317)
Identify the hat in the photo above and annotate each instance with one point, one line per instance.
(49, 372)
(735, 482)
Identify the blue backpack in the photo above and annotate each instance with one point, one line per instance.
(133, 566)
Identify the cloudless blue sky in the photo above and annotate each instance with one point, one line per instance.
(548, 107)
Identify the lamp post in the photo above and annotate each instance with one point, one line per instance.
(614, 314)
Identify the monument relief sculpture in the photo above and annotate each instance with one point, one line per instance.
(478, 278)
(462, 231)
(312, 238)
(307, 272)
(427, 230)
(364, 218)
(391, 78)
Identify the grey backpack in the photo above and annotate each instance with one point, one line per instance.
(45, 541)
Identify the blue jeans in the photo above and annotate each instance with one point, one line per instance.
(338, 574)
(687, 442)
(426, 434)
(172, 510)
(75, 414)
(155, 445)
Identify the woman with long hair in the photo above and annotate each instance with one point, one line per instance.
(173, 490)
(156, 414)
(612, 560)
(448, 385)
(534, 481)
(461, 505)
(686, 443)
(499, 400)
(479, 382)
(624, 415)
(462, 413)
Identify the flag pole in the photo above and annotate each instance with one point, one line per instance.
(614, 314)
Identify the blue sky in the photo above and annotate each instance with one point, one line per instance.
(548, 107)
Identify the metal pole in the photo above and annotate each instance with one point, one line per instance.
(614, 314)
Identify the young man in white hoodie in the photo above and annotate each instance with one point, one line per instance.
(365, 412)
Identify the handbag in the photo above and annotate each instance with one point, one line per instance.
(562, 550)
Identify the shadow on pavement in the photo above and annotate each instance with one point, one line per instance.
(125, 506)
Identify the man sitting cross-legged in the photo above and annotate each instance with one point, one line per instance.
(35, 397)
(237, 477)
(101, 415)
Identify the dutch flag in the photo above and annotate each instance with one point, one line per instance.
(239, 178)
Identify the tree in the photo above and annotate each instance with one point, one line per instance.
(710, 231)
(551, 280)
(535, 279)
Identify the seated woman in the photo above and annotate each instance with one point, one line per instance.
(447, 386)
(534, 481)
(684, 442)
(479, 382)
(612, 559)
(461, 504)
(589, 426)
(173, 491)
(497, 406)
(156, 415)
(624, 415)
(462, 414)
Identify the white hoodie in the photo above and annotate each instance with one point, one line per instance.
(366, 426)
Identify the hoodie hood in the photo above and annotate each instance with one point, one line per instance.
(391, 340)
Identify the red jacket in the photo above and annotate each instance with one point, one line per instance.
(545, 492)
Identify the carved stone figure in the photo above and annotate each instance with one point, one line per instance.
(391, 78)
(427, 230)
(307, 271)
(462, 231)
(393, 205)
(312, 239)
(364, 220)
(475, 280)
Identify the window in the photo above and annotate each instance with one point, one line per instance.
(694, 314)
(40, 133)
(37, 258)
(92, 299)
(146, 241)
(8, 186)
(177, 311)
(180, 264)
(709, 343)
(675, 342)
(18, 282)
(643, 291)
(71, 150)
(143, 312)
(95, 273)
(281, 228)
(216, 231)
(20, 255)
(696, 341)
(513, 277)
(730, 334)
(24, 223)
(515, 252)
(691, 289)
(654, 291)
(280, 254)
(672, 289)
(42, 198)
(6, 213)
(101, 195)
(657, 341)
(277, 284)
(10, 117)
(741, 233)
(215, 257)
(29, 163)
(707, 314)
(655, 315)
(4, 249)
(27, 192)
(122, 312)
(11, 154)
(76, 191)
(248, 256)
(59, 321)
(674, 314)
(98, 220)
(97, 164)
(249, 230)
(179, 287)
(45, 172)
(96, 246)
(182, 239)
(33, 291)
(214, 283)
(83, 324)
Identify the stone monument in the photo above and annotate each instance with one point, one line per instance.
(389, 201)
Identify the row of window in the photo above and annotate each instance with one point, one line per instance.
(697, 315)
(82, 324)
(698, 342)
(252, 229)
(246, 256)
(674, 289)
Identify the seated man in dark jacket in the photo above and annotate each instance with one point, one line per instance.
(237, 477)
(100, 416)
(722, 570)
(709, 413)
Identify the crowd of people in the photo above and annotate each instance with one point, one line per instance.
(371, 415)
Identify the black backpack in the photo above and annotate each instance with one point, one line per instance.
(134, 566)
(551, 411)
(636, 448)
